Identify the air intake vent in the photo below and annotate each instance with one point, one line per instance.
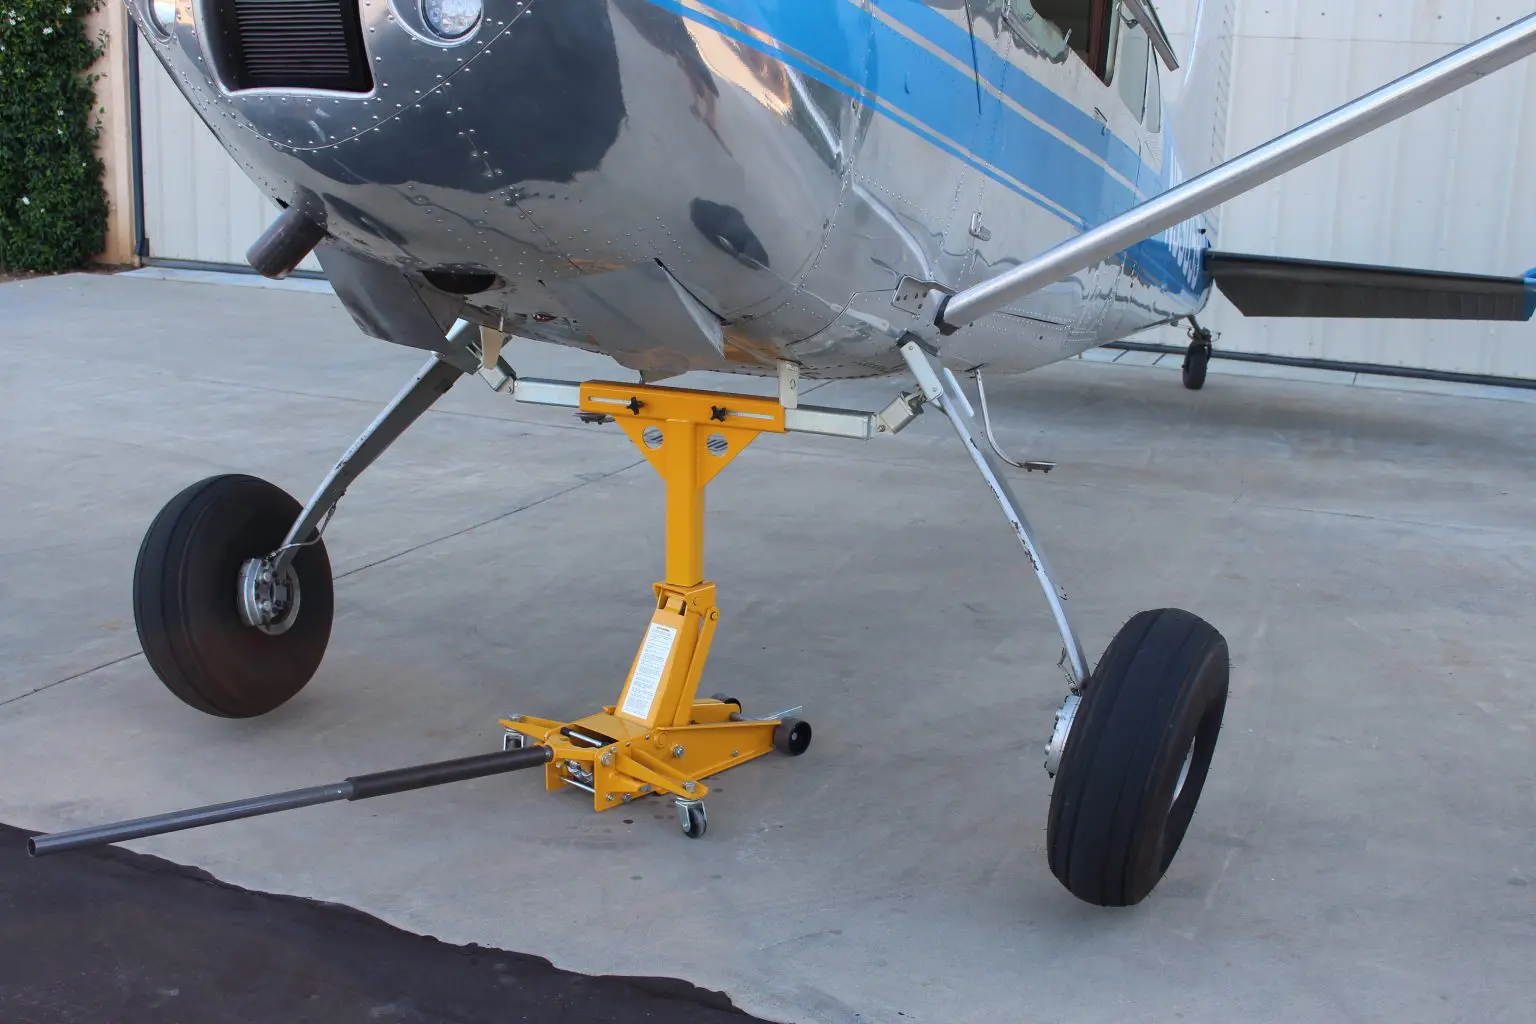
(291, 44)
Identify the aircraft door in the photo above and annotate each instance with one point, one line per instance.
(972, 232)
(975, 133)
(1120, 109)
(1144, 272)
(1018, 50)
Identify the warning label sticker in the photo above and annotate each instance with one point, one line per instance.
(652, 662)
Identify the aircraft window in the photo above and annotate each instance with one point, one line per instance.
(1135, 58)
(1086, 24)
(1034, 33)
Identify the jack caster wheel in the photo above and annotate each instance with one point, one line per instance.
(1136, 757)
(1196, 361)
(691, 815)
(194, 573)
(792, 737)
(723, 699)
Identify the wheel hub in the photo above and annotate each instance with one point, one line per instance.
(1189, 756)
(1064, 718)
(268, 601)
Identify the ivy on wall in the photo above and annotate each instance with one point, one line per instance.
(53, 204)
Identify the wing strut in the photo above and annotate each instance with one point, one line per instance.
(1301, 145)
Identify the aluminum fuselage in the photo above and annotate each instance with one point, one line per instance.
(786, 163)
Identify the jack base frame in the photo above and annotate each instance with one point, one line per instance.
(617, 760)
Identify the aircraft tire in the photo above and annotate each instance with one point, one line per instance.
(1122, 801)
(1196, 362)
(185, 594)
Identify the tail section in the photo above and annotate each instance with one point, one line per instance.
(1198, 115)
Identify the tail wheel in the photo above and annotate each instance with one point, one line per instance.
(188, 587)
(1196, 361)
(1137, 756)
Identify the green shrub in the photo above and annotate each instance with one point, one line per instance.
(53, 205)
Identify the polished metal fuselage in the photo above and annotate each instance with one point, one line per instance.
(786, 163)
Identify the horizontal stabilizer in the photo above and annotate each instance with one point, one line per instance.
(1270, 286)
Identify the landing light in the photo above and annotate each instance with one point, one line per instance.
(451, 19)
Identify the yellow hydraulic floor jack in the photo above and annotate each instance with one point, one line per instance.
(660, 737)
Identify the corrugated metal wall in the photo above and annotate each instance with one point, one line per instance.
(198, 204)
(1452, 187)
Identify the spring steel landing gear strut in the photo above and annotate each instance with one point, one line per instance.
(659, 737)
(1133, 740)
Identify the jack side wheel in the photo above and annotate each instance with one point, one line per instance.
(792, 736)
(692, 817)
(188, 586)
(1136, 757)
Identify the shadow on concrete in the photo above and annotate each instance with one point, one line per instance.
(110, 935)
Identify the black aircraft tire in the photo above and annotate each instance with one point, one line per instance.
(185, 599)
(1158, 694)
(1196, 361)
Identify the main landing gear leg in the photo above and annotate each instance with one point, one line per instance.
(940, 387)
(232, 593)
(1133, 740)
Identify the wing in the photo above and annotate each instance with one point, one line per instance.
(1272, 286)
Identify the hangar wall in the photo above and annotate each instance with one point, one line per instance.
(1450, 187)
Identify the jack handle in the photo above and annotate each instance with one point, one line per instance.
(358, 787)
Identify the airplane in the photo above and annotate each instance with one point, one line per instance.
(788, 189)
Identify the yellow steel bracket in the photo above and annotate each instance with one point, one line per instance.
(659, 736)
(689, 437)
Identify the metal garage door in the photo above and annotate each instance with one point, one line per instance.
(199, 207)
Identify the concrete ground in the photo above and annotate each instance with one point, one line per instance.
(1365, 848)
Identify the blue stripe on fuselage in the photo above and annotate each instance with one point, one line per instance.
(942, 100)
(997, 71)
